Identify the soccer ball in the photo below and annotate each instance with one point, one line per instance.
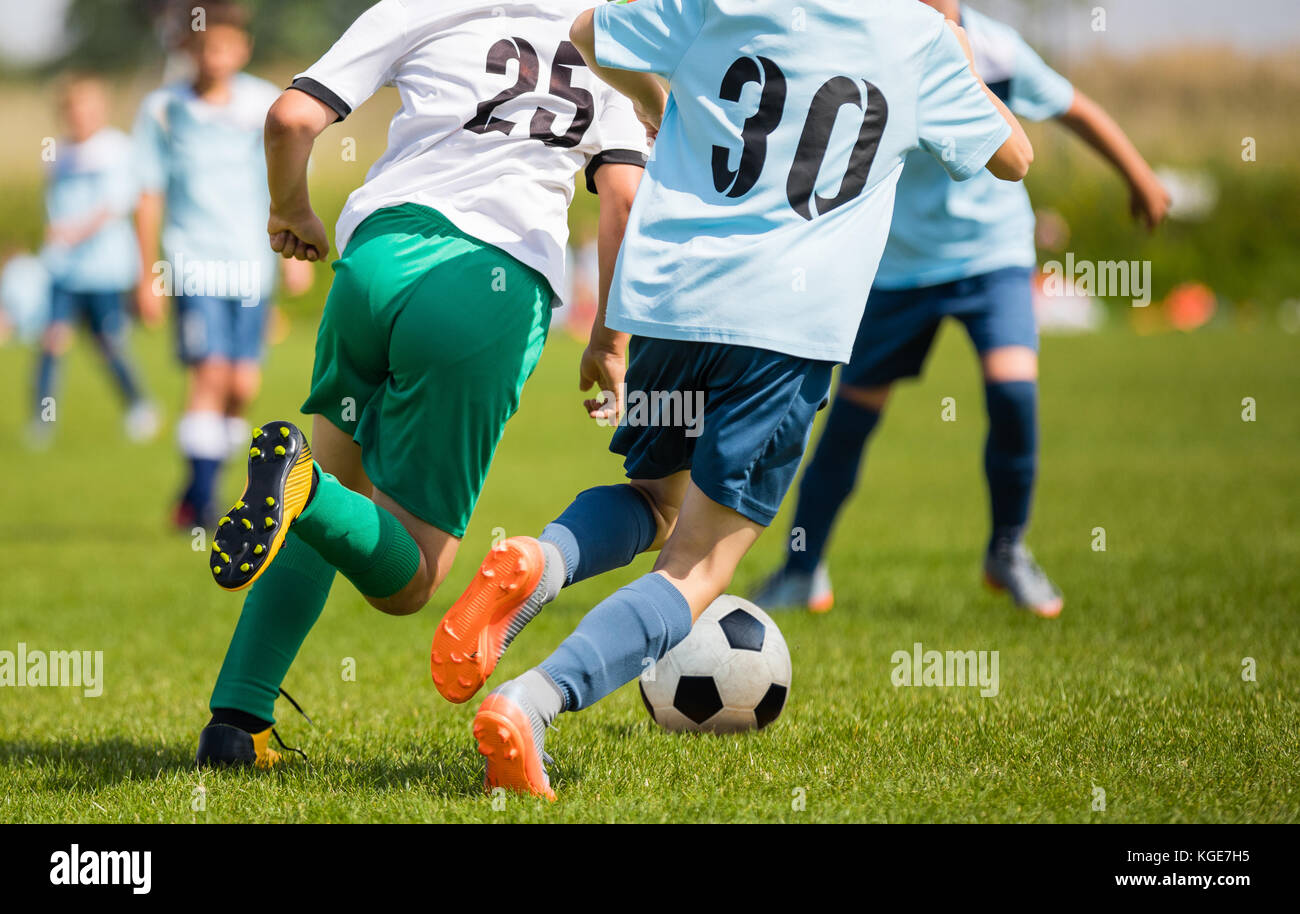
(732, 673)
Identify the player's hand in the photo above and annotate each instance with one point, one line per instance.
(298, 236)
(1149, 201)
(603, 367)
(148, 303)
(650, 112)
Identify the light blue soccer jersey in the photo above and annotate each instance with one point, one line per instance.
(208, 162)
(767, 201)
(945, 231)
(88, 183)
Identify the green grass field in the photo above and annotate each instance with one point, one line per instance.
(1137, 689)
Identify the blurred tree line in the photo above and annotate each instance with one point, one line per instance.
(111, 35)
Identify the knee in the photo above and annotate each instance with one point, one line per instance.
(244, 386)
(57, 339)
(409, 600)
(1010, 363)
(872, 398)
(415, 595)
(663, 505)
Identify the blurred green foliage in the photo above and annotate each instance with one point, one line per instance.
(116, 35)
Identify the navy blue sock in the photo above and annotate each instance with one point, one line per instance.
(46, 375)
(203, 481)
(612, 644)
(829, 480)
(1011, 455)
(113, 348)
(605, 528)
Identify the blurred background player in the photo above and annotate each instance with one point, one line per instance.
(90, 253)
(204, 200)
(453, 257)
(699, 288)
(964, 250)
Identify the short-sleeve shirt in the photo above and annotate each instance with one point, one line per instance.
(208, 162)
(86, 182)
(498, 114)
(945, 231)
(768, 197)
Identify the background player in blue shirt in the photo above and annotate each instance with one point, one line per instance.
(203, 175)
(89, 253)
(750, 252)
(965, 251)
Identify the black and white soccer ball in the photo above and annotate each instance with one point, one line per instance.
(731, 673)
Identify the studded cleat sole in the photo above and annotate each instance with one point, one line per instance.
(278, 487)
(470, 637)
(505, 740)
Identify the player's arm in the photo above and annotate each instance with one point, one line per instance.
(604, 363)
(1087, 119)
(148, 234)
(292, 126)
(646, 92)
(1011, 162)
(73, 233)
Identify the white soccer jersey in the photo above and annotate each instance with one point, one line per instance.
(498, 115)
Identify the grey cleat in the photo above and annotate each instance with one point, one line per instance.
(787, 589)
(1010, 567)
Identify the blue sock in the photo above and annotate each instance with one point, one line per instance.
(829, 480)
(605, 528)
(610, 646)
(45, 378)
(113, 348)
(203, 481)
(1011, 455)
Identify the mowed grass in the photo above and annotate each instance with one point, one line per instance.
(1136, 690)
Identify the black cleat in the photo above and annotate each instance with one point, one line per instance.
(280, 483)
(223, 746)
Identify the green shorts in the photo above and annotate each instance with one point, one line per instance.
(426, 341)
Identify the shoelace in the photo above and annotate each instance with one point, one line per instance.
(297, 707)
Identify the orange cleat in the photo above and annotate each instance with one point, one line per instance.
(480, 625)
(511, 745)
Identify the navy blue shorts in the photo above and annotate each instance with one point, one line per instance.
(103, 312)
(737, 417)
(220, 328)
(899, 325)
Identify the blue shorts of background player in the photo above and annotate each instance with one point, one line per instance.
(899, 325)
(230, 329)
(893, 341)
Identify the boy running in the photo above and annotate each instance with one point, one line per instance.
(89, 252)
(965, 251)
(199, 149)
(749, 254)
(452, 250)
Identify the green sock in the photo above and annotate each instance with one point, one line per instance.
(363, 541)
(278, 612)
